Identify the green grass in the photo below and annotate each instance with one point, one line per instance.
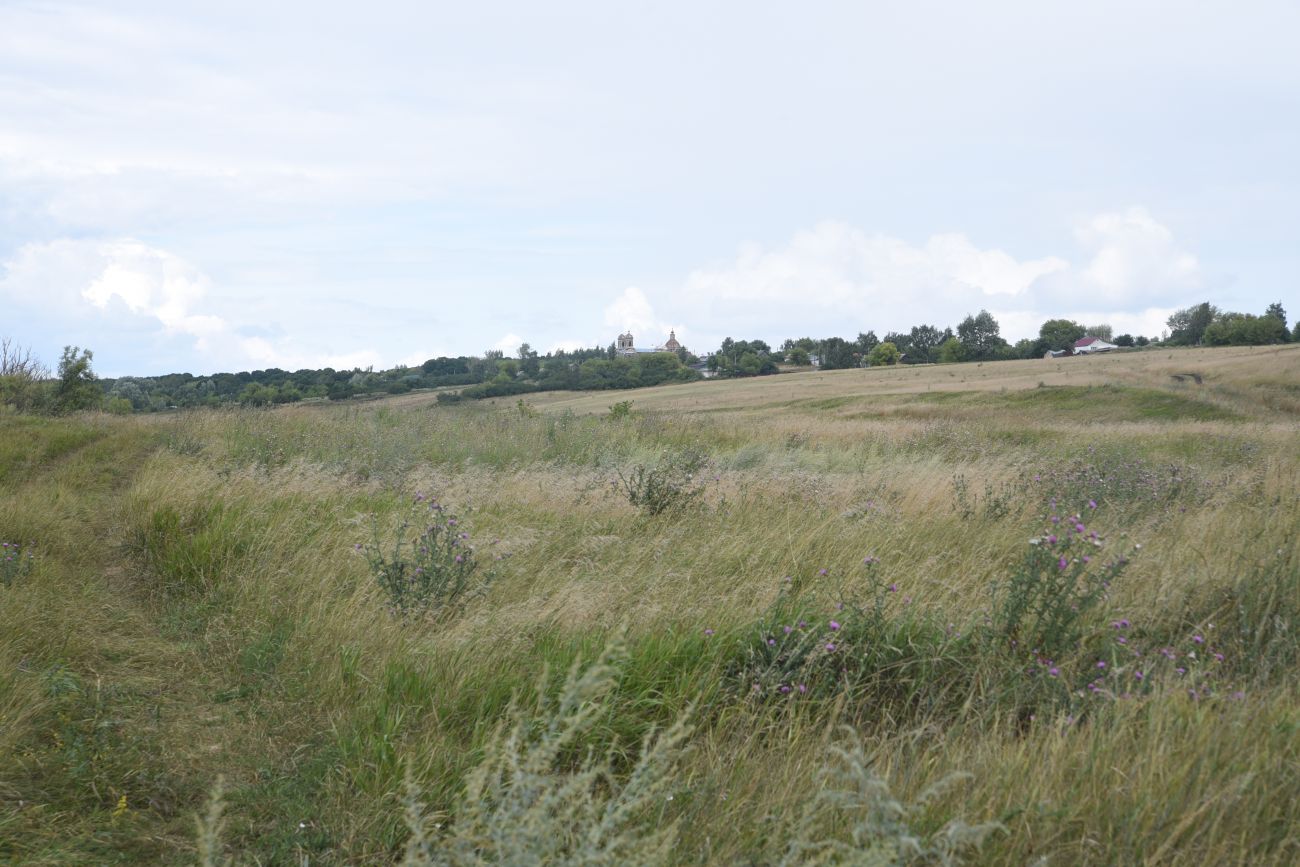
(198, 609)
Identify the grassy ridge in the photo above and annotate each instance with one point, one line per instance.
(198, 608)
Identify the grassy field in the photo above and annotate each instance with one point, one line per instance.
(1041, 612)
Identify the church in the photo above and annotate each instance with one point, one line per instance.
(626, 347)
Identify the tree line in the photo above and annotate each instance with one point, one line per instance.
(978, 338)
(27, 385)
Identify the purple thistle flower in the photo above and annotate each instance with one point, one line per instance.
(1092, 504)
(787, 629)
(708, 632)
(1062, 563)
(771, 642)
(821, 572)
(1101, 663)
(1198, 639)
(1138, 675)
(1053, 671)
(830, 647)
(834, 625)
(803, 688)
(892, 588)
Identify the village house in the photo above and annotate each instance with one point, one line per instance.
(1089, 345)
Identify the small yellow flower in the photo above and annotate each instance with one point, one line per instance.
(121, 809)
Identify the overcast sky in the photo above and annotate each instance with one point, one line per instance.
(304, 184)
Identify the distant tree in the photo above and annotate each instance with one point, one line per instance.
(1104, 331)
(1142, 341)
(952, 350)
(980, 336)
(837, 354)
(865, 343)
(1244, 329)
(1058, 334)
(884, 353)
(1124, 340)
(21, 377)
(528, 361)
(1187, 326)
(924, 343)
(76, 388)
(1278, 312)
(798, 356)
(1295, 333)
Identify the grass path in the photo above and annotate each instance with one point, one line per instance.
(111, 734)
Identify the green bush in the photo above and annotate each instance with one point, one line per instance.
(671, 484)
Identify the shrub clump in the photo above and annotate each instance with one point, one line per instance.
(434, 571)
(528, 802)
(673, 483)
(882, 830)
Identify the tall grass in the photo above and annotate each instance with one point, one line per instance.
(197, 609)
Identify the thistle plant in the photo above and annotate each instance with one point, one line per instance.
(433, 571)
(1046, 603)
(15, 563)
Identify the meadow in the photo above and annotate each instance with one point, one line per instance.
(1026, 612)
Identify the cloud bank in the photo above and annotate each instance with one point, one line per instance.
(834, 278)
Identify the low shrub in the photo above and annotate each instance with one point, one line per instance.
(671, 484)
(530, 802)
(883, 830)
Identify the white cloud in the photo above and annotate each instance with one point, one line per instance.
(267, 354)
(127, 284)
(1133, 255)
(631, 311)
(114, 275)
(509, 344)
(839, 279)
(153, 282)
(566, 346)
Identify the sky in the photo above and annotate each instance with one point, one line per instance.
(296, 184)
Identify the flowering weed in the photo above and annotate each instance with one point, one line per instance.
(15, 563)
(433, 571)
(1046, 603)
